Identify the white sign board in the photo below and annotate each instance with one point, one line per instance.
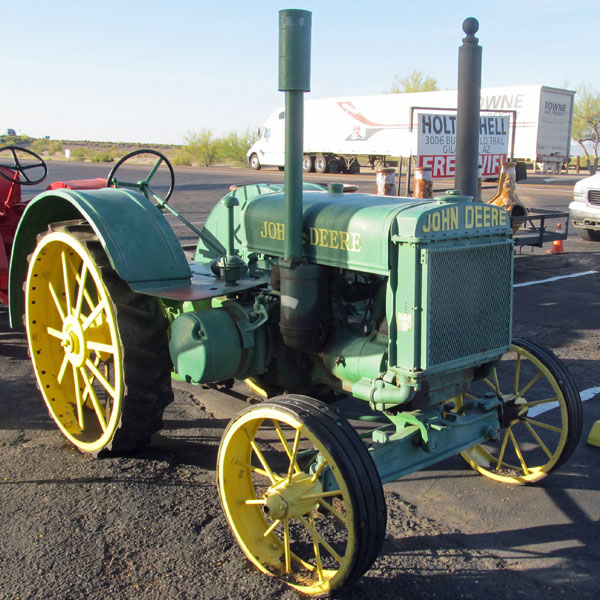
(436, 143)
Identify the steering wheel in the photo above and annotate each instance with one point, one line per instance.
(20, 170)
(144, 184)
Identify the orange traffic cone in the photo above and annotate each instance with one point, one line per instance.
(557, 245)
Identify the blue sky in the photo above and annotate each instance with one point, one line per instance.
(153, 71)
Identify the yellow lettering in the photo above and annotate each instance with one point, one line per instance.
(263, 229)
(280, 231)
(435, 221)
(344, 236)
(333, 240)
(468, 217)
(314, 236)
(486, 216)
(495, 218)
(454, 217)
(503, 218)
(446, 220)
(478, 211)
(427, 228)
(323, 236)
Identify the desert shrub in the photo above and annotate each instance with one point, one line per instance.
(79, 154)
(104, 156)
(201, 147)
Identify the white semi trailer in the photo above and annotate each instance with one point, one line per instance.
(340, 132)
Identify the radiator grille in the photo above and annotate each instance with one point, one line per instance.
(469, 293)
(594, 197)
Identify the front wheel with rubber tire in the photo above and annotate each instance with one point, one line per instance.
(589, 235)
(301, 494)
(541, 415)
(99, 351)
(255, 162)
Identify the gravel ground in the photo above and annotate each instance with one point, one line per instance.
(150, 526)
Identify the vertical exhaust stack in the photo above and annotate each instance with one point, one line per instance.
(294, 80)
(467, 118)
(304, 319)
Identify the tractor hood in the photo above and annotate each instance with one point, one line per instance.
(356, 231)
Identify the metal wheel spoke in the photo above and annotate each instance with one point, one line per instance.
(261, 458)
(100, 347)
(493, 386)
(542, 425)
(95, 402)
(336, 513)
(272, 528)
(100, 377)
(538, 440)
(502, 450)
(252, 469)
(93, 315)
(533, 381)
(81, 281)
(65, 269)
(319, 539)
(319, 470)
(55, 333)
(538, 402)
(469, 396)
(78, 399)
(518, 451)
(310, 527)
(286, 546)
(517, 374)
(320, 495)
(293, 463)
(63, 368)
(283, 441)
(255, 501)
(61, 312)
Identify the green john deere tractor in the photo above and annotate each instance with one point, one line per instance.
(377, 328)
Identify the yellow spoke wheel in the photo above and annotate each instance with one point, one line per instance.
(84, 329)
(541, 415)
(301, 494)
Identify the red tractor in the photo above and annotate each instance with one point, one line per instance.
(19, 166)
(16, 170)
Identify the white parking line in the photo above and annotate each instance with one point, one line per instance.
(542, 408)
(555, 278)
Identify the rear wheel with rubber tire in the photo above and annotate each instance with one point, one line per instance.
(301, 494)
(321, 165)
(99, 351)
(308, 163)
(541, 415)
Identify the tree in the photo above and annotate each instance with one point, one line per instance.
(586, 120)
(417, 81)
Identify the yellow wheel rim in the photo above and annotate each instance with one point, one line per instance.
(269, 476)
(73, 340)
(537, 421)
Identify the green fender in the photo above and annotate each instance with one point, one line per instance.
(140, 244)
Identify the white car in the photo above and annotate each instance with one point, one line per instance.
(584, 211)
